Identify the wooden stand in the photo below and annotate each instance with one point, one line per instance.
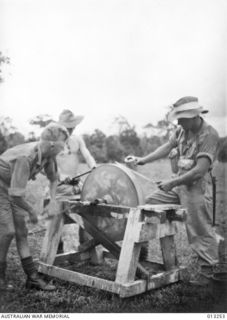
(144, 223)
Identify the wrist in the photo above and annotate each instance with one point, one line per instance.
(142, 161)
(174, 183)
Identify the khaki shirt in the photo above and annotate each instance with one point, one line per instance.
(22, 163)
(191, 146)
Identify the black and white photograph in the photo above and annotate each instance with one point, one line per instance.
(113, 158)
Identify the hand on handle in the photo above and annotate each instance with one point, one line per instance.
(134, 160)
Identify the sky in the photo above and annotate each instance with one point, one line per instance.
(105, 58)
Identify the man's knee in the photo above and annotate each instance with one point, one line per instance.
(151, 200)
(21, 232)
(7, 232)
(162, 197)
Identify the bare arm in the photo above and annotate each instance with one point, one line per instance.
(53, 188)
(22, 203)
(159, 153)
(86, 154)
(202, 166)
(51, 172)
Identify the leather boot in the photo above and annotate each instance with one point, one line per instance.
(203, 278)
(35, 281)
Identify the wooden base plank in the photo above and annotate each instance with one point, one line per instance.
(79, 278)
(162, 279)
(123, 290)
(156, 281)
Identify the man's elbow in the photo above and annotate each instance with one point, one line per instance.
(199, 174)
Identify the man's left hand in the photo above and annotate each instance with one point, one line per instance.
(52, 208)
(166, 185)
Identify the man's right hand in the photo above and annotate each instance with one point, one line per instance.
(140, 161)
(134, 160)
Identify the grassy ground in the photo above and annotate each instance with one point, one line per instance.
(180, 297)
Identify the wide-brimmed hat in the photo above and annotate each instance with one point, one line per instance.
(54, 132)
(186, 107)
(68, 119)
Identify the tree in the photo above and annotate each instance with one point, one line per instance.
(42, 120)
(10, 133)
(13, 139)
(128, 138)
(163, 129)
(167, 127)
(122, 123)
(3, 60)
(97, 145)
(31, 137)
(130, 141)
(9, 136)
(6, 126)
(98, 138)
(114, 149)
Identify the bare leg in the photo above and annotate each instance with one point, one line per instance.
(5, 240)
(21, 236)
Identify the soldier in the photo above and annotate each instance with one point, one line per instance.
(18, 165)
(192, 148)
(68, 159)
(69, 162)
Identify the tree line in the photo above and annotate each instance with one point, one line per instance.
(104, 148)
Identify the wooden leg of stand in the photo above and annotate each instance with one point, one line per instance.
(130, 250)
(52, 238)
(168, 252)
(97, 255)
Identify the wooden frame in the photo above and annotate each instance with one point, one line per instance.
(144, 223)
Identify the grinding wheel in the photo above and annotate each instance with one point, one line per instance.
(117, 185)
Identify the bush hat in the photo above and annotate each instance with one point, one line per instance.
(68, 119)
(186, 107)
(54, 132)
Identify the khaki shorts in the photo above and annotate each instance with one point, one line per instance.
(201, 234)
(12, 217)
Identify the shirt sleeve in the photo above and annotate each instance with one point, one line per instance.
(20, 177)
(208, 146)
(51, 170)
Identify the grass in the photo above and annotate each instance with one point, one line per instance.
(72, 298)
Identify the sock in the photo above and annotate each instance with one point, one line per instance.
(28, 266)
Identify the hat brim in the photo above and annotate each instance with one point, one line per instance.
(72, 123)
(188, 114)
